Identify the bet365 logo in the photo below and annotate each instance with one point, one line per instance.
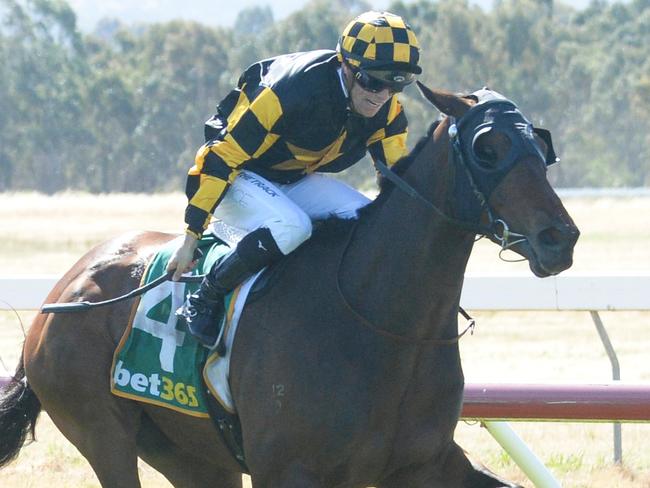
(155, 385)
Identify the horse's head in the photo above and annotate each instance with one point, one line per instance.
(499, 163)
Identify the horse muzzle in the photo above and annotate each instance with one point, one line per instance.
(550, 251)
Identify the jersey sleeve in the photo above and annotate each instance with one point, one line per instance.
(249, 134)
(388, 144)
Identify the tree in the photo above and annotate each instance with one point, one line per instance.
(254, 20)
(122, 109)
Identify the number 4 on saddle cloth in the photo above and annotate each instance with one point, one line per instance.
(159, 362)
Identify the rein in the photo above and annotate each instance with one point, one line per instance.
(413, 193)
(395, 337)
(504, 238)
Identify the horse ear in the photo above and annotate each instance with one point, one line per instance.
(446, 102)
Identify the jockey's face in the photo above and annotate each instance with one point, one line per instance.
(363, 102)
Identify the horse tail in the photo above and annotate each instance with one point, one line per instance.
(19, 409)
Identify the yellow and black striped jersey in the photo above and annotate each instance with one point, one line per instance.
(288, 117)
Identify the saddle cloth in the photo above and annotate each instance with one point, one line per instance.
(157, 360)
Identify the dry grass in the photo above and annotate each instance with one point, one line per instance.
(47, 234)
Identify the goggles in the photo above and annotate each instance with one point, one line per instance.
(378, 80)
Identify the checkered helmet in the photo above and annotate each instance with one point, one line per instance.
(380, 40)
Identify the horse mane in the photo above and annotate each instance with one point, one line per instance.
(334, 227)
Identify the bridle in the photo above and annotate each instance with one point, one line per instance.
(492, 111)
(496, 229)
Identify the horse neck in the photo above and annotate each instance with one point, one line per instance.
(405, 265)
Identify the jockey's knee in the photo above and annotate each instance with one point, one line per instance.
(290, 232)
(351, 209)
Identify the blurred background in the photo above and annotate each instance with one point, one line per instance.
(112, 96)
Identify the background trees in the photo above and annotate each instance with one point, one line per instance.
(122, 109)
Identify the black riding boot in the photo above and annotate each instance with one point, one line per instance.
(203, 310)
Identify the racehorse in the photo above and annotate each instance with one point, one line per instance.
(346, 372)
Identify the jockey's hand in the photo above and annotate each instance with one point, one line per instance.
(183, 259)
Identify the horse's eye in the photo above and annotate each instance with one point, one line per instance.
(486, 155)
(490, 148)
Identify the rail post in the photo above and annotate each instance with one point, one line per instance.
(616, 376)
(526, 459)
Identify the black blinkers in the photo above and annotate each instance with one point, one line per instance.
(503, 117)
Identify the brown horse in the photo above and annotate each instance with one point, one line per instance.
(346, 373)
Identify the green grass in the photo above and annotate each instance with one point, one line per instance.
(563, 463)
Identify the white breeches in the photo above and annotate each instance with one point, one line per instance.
(287, 210)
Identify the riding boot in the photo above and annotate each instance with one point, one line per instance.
(203, 310)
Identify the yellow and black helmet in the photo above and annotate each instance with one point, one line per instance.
(380, 41)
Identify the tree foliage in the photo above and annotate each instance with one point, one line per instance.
(122, 109)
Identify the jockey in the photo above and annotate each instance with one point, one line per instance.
(291, 119)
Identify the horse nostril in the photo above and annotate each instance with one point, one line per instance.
(555, 237)
(551, 237)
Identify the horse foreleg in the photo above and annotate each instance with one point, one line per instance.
(452, 470)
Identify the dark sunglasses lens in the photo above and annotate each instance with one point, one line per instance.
(377, 80)
(376, 85)
(368, 83)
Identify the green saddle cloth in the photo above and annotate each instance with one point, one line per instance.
(157, 360)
